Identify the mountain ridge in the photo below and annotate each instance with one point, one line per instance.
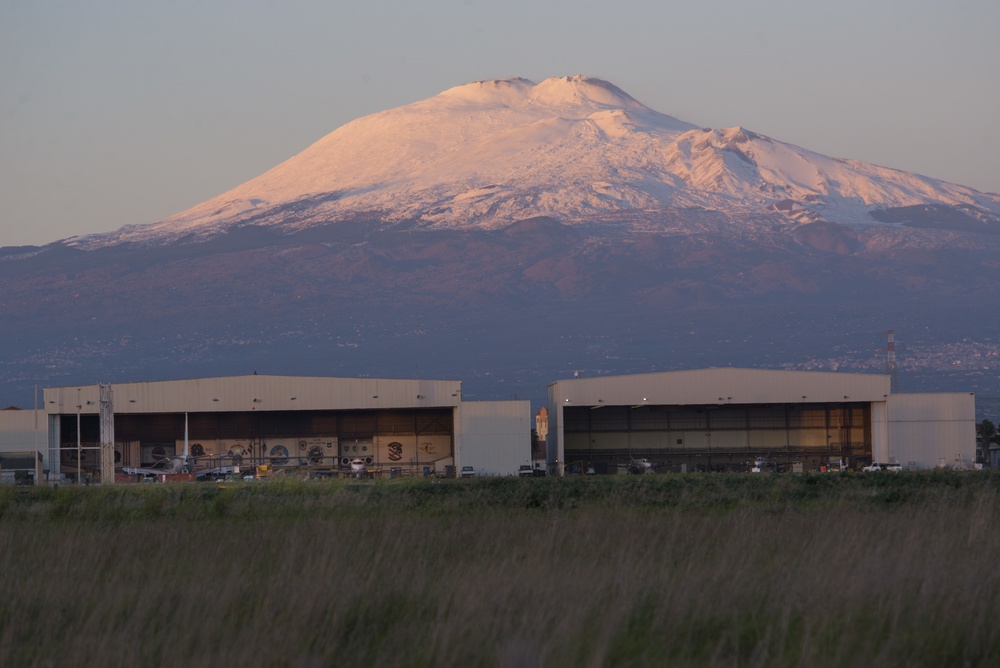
(576, 149)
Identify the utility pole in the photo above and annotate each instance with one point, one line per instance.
(79, 445)
(107, 424)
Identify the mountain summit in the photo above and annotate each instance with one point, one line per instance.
(575, 149)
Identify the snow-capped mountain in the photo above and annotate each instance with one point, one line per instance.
(574, 149)
(506, 232)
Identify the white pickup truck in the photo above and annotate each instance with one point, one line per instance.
(895, 468)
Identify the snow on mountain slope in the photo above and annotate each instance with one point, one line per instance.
(574, 148)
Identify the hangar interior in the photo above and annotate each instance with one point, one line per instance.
(403, 441)
(716, 438)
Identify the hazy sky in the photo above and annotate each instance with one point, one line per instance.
(119, 112)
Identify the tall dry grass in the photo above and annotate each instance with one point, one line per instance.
(659, 570)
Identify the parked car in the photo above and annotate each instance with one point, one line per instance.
(468, 472)
(877, 466)
(525, 471)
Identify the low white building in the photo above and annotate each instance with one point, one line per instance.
(23, 442)
(729, 419)
(494, 437)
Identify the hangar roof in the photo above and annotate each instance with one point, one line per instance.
(258, 393)
(720, 386)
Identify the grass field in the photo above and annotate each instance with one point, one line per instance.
(734, 570)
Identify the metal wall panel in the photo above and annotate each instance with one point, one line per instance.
(928, 430)
(259, 393)
(494, 436)
(940, 406)
(722, 386)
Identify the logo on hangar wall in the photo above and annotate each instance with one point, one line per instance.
(395, 451)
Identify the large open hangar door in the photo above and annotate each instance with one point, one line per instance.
(716, 437)
(419, 440)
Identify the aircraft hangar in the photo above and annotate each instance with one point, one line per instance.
(318, 424)
(728, 419)
(723, 419)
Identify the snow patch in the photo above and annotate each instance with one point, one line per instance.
(607, 190)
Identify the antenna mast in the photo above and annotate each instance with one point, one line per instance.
(890, 362)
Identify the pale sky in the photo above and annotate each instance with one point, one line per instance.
(121, 112)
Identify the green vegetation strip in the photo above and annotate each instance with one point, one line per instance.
(824, 570)
(292, 498)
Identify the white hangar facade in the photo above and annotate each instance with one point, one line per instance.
(724, 418)
(396, 427)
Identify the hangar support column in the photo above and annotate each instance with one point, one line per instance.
(880, 432)
(107, 424)
(555, 446)
(55, 456)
